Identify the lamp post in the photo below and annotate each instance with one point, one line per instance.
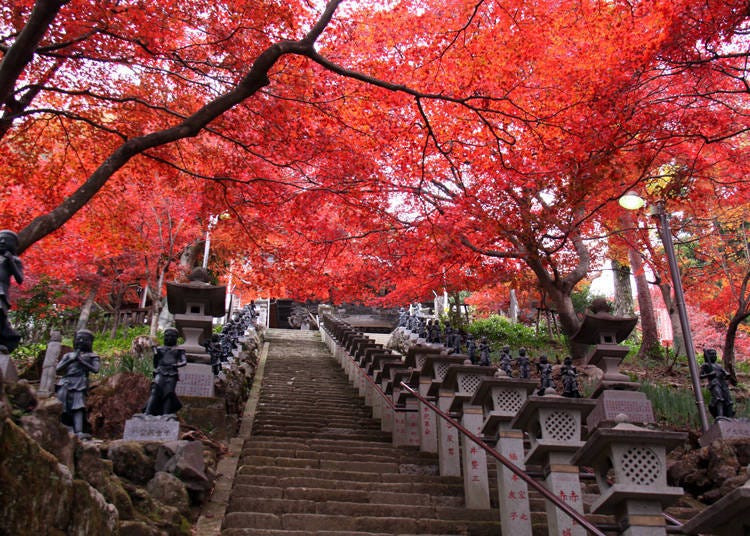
(213, 219)
(631, 201)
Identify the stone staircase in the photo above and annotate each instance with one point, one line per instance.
(318, 463)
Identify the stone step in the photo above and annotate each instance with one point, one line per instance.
(282, 532)
(318, 463)
(327, 445)
(352, 524)
(351, 454)
(255, 484)
(331, 434)
(335, 473)
(374, 495)
(389, 509)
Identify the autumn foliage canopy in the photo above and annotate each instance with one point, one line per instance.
(369, 150)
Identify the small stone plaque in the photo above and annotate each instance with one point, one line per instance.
(143, 427)
(726, 429)
(611, 403)
(8, 371)
(196, 379)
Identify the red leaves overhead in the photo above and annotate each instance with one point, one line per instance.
(392, 151)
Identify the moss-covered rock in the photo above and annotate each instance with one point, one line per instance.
(130, 460)
(99, 473)
(38, 494)
(167, 519)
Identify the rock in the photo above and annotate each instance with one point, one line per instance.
(742, 450)
(44, 426)
(731, 484)
(38, 495)
(114, 400)
(722, 462)
(170, 490)
(184, 459)
(157, 514)
(91, 513)
(99, 473)
(139, 528)
(21, 395)
(129, 460)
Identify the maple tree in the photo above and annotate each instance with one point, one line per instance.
(362, 151)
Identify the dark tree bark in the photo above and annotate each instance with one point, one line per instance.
(649, 333)
(623, 289)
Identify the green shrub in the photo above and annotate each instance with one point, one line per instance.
(500, 331)
(125, 361)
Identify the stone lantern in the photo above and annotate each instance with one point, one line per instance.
(616, 393)
(431, 378)
(195, 305)
(460, 384)
(555, 430)
(630, 464)
(501, 398)
(416, 358)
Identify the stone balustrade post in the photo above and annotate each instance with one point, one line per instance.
(501, 398)
(464, 380)
(434, 371)
(555, 431)
(416, 358)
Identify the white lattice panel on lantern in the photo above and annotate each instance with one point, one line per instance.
(560, 426)
(641, 466)
(468, 383)
(507, 401)
(440, 370)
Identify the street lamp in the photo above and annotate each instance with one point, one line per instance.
(213, 219)
(632, 201)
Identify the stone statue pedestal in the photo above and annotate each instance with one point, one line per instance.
(142, 427)
(432, 374)
(724, 428)
(460, 384)
(501, 398)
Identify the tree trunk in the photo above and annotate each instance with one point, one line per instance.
(649, 333)
(728, 351)
(157, 304)
(83, 318)
(678, 340)
(623, 289)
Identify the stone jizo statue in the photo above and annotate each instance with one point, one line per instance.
(457, 339)
(506, 361)
(471, 348)
(721, 404)
(569, 379)
(523, 364)
(10, 268)
(545, 375)
(167, 359)
(484, 352)
(72, 388)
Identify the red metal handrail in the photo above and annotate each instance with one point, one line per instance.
(575, 514)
